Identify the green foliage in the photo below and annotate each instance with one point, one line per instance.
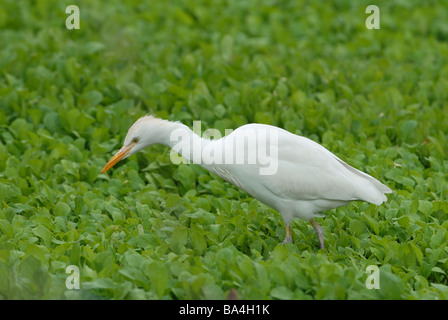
(151, 230)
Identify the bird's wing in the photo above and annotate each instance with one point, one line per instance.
(308, 171)
(303, 169)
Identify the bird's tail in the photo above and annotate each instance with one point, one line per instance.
(372, 191)
(376, 192)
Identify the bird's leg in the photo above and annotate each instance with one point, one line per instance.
(288, 238)
(320, 233)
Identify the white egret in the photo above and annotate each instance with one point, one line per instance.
(301, 179)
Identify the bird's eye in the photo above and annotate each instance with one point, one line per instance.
(135, 140)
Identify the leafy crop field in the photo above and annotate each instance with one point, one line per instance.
(149, 229)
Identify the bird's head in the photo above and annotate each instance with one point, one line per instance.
(143, 133)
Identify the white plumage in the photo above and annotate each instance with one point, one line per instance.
(292, 174)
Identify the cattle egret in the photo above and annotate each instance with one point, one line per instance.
(302, 179)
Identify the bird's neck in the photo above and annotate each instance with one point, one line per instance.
(183, 141)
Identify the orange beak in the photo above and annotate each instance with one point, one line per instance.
(117, 157)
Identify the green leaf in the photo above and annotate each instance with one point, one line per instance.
(6, 228)
(158, 275)
(372, 223)
(43, 233)
(438, 270)
(425, 207)
(61, 209)
(282, 293)
(391, 286)
(178, 239)
(198, 241)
